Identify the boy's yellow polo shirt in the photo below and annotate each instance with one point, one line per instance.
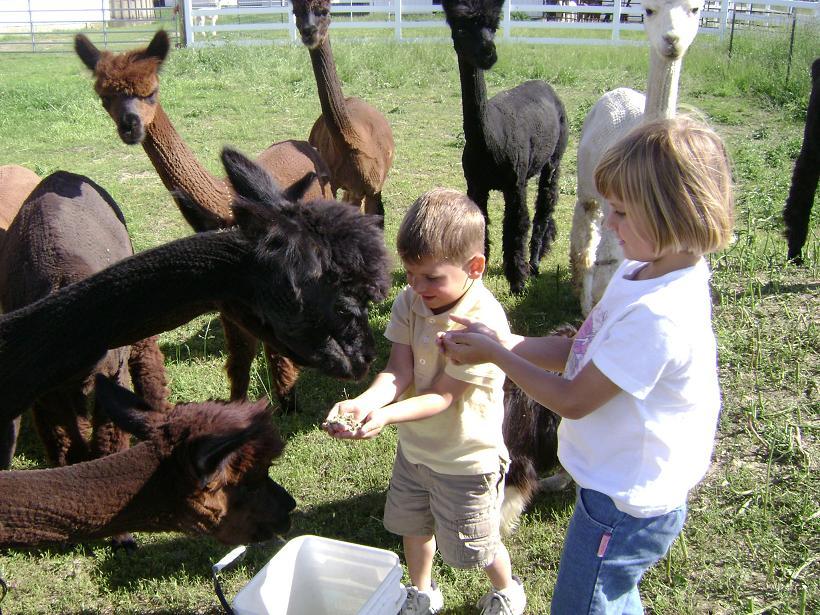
(466, 437)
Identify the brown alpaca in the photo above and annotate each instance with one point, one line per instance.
(202, 469)
(128, 85)
(16, 183)
(353, 138)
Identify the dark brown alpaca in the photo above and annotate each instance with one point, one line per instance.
(806, 174)
(67, 229)
(128, 85)
(354, 139)
(201, 469)
(300, 278)
(531, 435)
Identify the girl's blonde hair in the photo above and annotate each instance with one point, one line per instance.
(442, 224)
(673, 176)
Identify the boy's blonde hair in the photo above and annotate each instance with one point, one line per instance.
(442, 224)
(674, 177)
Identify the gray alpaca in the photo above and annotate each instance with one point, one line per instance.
(515, 135)
(67, 229)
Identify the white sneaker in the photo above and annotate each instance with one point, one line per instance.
(508, 601)
(422, 602)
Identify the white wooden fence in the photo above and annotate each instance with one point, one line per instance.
(608, 16)
(49, 25)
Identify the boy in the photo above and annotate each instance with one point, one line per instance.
(448, 477)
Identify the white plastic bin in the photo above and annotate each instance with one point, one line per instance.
(312, 575)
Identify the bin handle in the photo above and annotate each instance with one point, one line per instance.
(236, 555)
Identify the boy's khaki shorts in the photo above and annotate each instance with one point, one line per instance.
(462, 512)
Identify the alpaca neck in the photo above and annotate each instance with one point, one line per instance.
(662, 87)
(331, 97)
(79, 502)
(473, 101)
(179, 168)
(68, 331)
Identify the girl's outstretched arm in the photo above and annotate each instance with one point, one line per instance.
(549, 352)
(571, 399)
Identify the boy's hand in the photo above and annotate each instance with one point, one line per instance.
(344, 419)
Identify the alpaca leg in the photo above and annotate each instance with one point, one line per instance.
(373, 205)
(480, 196)
(108, 439)
(241, 348)
(514, 240)
(797, 211)
(60, 420)
(8, 442)
(283, 373)
(584, 237)
(543, 223)
(146, 365)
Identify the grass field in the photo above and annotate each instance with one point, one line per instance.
(752, 539)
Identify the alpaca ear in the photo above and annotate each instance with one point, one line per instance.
(158, 47)
(127, 410)
(87, 51)
(297, 190)
(211, 454)
(198, 217)
(249, 180)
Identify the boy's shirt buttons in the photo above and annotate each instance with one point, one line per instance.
(422, 362)
(432, 321)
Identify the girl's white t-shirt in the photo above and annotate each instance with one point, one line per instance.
(650, 444)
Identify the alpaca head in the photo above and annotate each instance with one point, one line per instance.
(127, 82)
(313, 20)
(671, 25)
(214, 458)
(314, 268)
(473, 24)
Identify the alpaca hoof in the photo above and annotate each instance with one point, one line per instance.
(125, 542)
(517, 288)
(557, 482)
(287, 403)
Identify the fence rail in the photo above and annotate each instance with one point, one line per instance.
(48, 25)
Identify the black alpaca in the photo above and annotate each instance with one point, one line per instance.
(67, 229)
(797, 211)
(509, 138)
(298, 277)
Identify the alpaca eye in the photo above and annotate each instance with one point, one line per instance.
(649, 12)
(106, 101)
(695, 11)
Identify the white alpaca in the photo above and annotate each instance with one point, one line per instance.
(200, 19)
(671, 26)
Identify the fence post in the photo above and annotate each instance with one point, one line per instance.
(616, 20)
(397, 17)
(791, 44)
(507, 18)
(31, 27)
(187, 22)
(724, 18)
(291, 23)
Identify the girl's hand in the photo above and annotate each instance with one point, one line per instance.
(475, 326)
(462, 347)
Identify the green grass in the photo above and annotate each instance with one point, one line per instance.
(751, 542)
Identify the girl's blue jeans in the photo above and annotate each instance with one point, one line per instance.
(606, 552)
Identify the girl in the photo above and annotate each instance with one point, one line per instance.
(639, 392)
